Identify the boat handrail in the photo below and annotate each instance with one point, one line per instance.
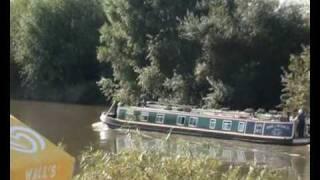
(217, 112)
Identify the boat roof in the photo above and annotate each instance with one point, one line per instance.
(212, 113)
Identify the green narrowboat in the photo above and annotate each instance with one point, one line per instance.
(209, 123)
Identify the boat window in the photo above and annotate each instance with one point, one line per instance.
(193, 121)
(258, 128)
(212, 124)
(160, 118)
(180, 120)
(241, 127)
(226, 125)
(144, 116)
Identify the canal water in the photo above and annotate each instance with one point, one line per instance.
(71, 125)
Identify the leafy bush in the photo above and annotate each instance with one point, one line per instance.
(296, 82)
(219, 95)
(150, 79)
(53, 47)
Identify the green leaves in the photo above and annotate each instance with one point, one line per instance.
(296, 82)
(140, 40)
(164, 49)
(150, 79)
(220, 94)
(107, 87)
(54, 43)
(244, 44)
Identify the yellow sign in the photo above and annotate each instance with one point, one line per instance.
(33, 157)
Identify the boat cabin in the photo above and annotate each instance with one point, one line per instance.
(217, 123)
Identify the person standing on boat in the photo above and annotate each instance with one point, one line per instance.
(301, 123)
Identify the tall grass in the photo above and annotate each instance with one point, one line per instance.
(135, 164)
(156, 164)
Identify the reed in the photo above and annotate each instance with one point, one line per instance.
(156, 164)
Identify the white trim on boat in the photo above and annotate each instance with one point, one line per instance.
(301, 140)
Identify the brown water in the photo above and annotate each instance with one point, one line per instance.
(71, 125)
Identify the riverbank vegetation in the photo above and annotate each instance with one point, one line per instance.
(139, 159)
(154, 164)
(207, 53)
(53, 48)
(296, 81)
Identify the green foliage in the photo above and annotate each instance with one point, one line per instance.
(162, 49)
(150, 80)
(167, 49)
(140, 40)
(175, 89)
(137, 164)
(219, 95)
(107, 87)
(244, 45)
(18, 9)
(54, 44)
(296, 82)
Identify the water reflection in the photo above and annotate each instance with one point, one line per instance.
(292, 159)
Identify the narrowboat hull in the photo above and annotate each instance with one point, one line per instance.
(147, 126)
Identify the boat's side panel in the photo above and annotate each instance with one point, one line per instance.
(218, 124)
(234, 126)
(250, 128)
(152, 117)
(136, 115)
(170, 119)
(203, 122)
(114, 123)
(186, 121)
(121, 114)
(273, 129)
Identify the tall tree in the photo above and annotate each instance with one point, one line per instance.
(169, 49)
(244, 45)
(296, 82)
(55, 45)
(140, 39)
